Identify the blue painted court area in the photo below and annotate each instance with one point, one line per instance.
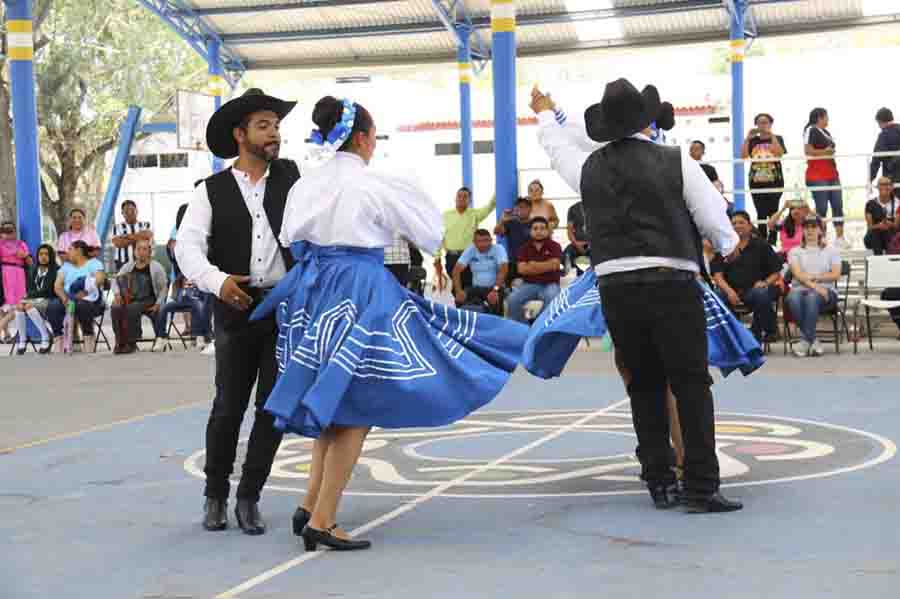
(534, 498)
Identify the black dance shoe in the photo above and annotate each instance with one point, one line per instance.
(249, 518)
(313, 537)
(215, 514)
(300, 519)
(709, 504)
(665, 496)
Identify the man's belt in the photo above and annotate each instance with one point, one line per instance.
(645, 276)
(454, 252)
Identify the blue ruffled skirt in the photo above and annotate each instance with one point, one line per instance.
(357, 349)
(576, 312)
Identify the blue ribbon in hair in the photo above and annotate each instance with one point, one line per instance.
(338, 135)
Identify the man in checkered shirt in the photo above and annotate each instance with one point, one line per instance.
(396, 260)
(127, 234)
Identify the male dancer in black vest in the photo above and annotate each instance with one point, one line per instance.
(228, 245)
(645, 203)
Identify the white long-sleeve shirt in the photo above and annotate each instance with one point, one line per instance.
(344, 202)
(569, 148)
(266, 263)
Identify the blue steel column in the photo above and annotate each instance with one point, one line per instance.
(20, 44)
(216, 87)
(120, 164)
(503, 60)
(466, 146)
(738, 46)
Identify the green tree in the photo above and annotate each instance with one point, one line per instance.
(93, 59)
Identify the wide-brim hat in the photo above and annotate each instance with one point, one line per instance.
(219, 137)
(622, 112)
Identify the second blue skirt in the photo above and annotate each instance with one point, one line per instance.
(357, 349)
(577, 312)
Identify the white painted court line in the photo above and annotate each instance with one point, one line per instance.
(410, 505)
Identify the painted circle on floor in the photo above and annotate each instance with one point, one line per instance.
(509, 454)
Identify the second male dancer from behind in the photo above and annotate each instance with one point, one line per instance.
(228, 245)
(645, 203)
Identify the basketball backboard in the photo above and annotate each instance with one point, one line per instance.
(193, 111)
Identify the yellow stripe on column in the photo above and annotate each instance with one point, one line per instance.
(738, 49)
(18, 26)
(503, 15)
(216, 85)
(465, 72)
(20, 53)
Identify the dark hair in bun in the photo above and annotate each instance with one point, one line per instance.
(328, 112)
(665, 120)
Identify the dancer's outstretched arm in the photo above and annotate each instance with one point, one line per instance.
(567, 156)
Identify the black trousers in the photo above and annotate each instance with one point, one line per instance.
(477, 296)
(892, 294)
(660, 331)
(766, 205)
(878, 241)
(450, 261)
(400, 272)
(245, 354)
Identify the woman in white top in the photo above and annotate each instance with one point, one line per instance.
(356, 349)
(816, 268)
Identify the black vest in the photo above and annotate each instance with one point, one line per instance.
(633, 194)
(230, 241)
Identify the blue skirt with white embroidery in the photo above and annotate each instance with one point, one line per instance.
(357, 349)
(576, 313)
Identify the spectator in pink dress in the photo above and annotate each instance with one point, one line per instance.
(13, 257)
(79, 230)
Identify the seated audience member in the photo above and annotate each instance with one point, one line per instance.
(41, 278)
(881, 218)
(790, 230)
(816, 267)
(579, 238)
(750, 280)
(489, 264)
(515, 226)
(78, 280)
(538, 264)
(188, 299)
(140, 288)
(79, 230)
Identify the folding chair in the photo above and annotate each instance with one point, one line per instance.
(182, 335)
(31, 333)
(743, 313)
(837, 313)
(881, 272)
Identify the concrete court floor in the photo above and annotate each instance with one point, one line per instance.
(97, 454)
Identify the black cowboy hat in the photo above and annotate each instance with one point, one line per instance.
(622, 112)
(219, 137)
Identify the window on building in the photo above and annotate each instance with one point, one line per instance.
(452, 149)
(143, 161)
(179, 160)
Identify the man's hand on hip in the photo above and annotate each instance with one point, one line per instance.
(233, 295)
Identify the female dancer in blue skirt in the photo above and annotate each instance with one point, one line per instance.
(355, 349)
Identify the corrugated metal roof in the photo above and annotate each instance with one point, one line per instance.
(317, 33)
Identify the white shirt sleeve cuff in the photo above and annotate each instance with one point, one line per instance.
(213, 282)
(546, 117)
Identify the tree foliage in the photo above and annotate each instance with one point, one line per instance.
(94, 58)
